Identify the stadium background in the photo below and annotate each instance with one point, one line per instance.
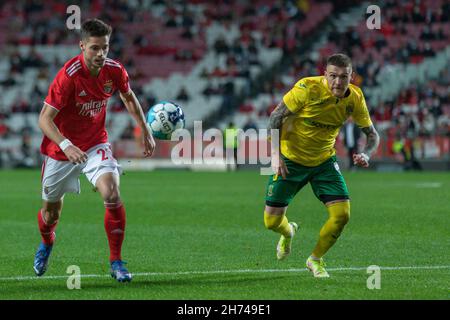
(232, 61)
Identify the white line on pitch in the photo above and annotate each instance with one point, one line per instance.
(429, 185)
(139, 274)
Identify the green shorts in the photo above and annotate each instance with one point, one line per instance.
(326, 181)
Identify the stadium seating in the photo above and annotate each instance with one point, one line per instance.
(206, 48)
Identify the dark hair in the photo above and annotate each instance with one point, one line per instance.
(95, 28)
(339, 60)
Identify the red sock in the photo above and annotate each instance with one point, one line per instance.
(47, 231)
(115, 228)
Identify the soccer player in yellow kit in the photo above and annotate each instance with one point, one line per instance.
(309, 118)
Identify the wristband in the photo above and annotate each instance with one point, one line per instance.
(64, 144)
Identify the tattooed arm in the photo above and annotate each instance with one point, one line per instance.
(373, 139)
(275, 123)
(277, 116)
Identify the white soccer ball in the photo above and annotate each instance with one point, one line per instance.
(164, 118)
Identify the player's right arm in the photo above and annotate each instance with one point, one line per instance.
(275, 123)
(49, 128)
(292, 102)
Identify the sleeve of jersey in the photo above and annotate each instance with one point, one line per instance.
(60, 91)
(296, 98)
(124, 82)
(361, 114)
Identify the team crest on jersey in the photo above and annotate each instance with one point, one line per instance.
(107, 87)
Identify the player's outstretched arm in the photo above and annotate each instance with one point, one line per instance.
(134, 108)
(51, 131)
(373, 140)
(275, 122)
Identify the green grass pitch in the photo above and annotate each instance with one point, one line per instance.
(201, 236)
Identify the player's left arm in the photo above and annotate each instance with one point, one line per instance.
(373, 140)
(134, 108)
(362, 118)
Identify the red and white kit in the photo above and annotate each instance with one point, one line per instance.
(81, 101)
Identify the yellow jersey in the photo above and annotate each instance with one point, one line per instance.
(309, 134)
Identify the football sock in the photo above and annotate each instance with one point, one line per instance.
(46, 230)
(115, 228)
(339, 214)
(277, 223)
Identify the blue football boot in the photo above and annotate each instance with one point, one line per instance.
(41, 258)
(119, 272)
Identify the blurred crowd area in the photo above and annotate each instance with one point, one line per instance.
(232, 61)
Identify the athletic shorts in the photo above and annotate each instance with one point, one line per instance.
(326, 181)
(60, 177)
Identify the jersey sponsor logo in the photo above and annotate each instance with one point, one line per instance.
(107, 87)
(82, 94)
(91, 108)
(319, 125)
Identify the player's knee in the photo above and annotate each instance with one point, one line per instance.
(51, 211)
(339, 214)
(272, 221)
(342, 214)
(51, 215)
(345, 218)
(112, 196)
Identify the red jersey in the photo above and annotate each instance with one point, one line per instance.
(81, 100)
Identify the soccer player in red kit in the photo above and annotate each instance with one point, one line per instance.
(75, 141)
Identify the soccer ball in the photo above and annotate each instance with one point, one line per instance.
(164, 118)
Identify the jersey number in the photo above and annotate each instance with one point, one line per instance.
(103, 152)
